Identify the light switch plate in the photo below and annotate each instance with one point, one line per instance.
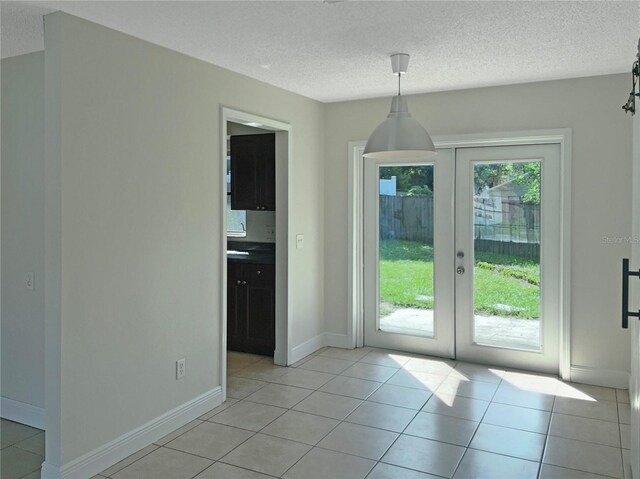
(299, 241)
(30, 280)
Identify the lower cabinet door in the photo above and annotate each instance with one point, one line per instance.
(251, 308)
(260, 321)
(235, 300)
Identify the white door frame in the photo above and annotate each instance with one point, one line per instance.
(562, 136)
(634, 325)
(283, 132)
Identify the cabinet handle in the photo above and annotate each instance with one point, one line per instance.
(244, 282)
(259, 272)
(238, 281)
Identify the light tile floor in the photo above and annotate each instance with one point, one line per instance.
(375, 414)
(22, 451)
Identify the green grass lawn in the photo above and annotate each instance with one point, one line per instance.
(406, 280)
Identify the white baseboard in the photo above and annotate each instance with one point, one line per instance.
(312, 345)
(336, 340)
(50, 471)
(22, 412)
(600, 377)
(305, 349)
(114, 451)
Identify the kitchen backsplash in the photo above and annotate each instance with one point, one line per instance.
(261, 227)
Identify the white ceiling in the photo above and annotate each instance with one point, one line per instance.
(337, 51)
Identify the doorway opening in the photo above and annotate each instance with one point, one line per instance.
(254, 226)
(466, 253)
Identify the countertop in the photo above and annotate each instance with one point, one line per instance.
(251, 252)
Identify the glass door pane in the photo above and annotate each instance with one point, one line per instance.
(405, 259)
(506, 242)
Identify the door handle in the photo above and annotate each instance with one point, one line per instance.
(460, 270)
(625, 293)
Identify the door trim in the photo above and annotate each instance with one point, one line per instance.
(283, 132)
(355, 262)
(634, 327)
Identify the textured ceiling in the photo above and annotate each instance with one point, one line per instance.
(336, 51)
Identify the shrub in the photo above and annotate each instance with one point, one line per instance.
(513, 273)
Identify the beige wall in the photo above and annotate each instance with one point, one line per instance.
(23, 228)
(601, 188)
(140, 234)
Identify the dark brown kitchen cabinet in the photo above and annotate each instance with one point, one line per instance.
(234, 299)
(253, 172)
(251, 307)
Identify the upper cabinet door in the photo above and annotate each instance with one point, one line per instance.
(253, 168)
(267, 173)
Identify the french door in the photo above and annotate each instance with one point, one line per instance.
(462, 255)
(408, 281)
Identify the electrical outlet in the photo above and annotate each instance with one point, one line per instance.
(181, 368)
(270, 233)
(30, 280)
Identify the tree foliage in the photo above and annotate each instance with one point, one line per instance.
(528, 175)
(418, 180)
(412, 180)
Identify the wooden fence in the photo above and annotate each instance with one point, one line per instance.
(411, 218)
(509, 248)
(406, 218)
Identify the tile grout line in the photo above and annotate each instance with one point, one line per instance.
(179, 435)
(546, 439)
(624, 474)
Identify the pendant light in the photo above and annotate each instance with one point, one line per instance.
(399, 136)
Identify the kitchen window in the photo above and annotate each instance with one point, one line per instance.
(236, 219)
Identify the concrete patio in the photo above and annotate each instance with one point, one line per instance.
(490, 330)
